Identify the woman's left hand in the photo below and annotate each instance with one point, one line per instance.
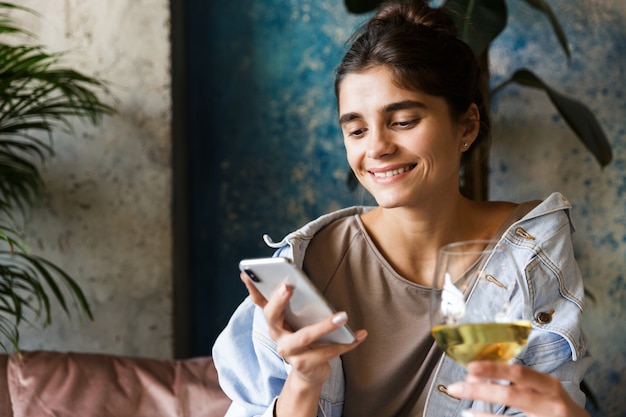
(535, 393)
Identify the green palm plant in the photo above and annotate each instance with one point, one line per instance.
(37, 97)
(479, 23)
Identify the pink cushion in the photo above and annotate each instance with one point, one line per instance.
(82, 384)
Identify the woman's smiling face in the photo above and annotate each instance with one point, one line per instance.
(402, 145)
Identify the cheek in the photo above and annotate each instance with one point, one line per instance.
(352, 154)
(441, 147)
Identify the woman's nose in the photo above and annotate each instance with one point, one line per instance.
(379, 145)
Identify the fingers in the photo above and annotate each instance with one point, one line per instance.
(517, 374)
(257, 297)
(535, 393)
(295, 342)
(521, 378)
(274, 311)
(308, 358)
(483, 390)
(307, 338)
(310, 363)
(474, 413)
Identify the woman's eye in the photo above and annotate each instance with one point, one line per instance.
(404, 124)
(356, 133)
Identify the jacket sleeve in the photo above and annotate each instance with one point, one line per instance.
(250, 371)
(554, 302)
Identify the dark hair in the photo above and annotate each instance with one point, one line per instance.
(420, 45)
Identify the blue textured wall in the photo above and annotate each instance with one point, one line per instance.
(534, 153)
(277, 157)
(266, 147)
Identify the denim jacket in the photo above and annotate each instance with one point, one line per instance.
(252, 373)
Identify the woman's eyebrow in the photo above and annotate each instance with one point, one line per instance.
(403, 105)
(345, 118)
(389, 108)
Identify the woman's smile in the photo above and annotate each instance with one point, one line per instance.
(390, 172)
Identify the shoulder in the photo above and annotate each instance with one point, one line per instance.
(486, 219)
(538, 219)
(339, 232)
(296, 243)
(313, 227)
(328, 248)
(548, 218)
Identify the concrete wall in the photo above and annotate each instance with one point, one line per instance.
(106, 216)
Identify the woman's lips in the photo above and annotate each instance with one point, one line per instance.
(391, 172)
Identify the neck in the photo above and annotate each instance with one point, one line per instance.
(410, 238)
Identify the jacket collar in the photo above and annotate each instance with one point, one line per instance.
(295, 243)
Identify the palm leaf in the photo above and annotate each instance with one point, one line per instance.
(13, 239)
(8, 332)
(26, 282)
(6, 23)
(479, 21)
(37, 95)
(545, 8)
(578, 116)
(20, 181)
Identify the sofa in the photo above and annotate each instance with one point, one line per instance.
(64, 384)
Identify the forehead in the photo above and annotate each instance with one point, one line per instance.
(366, 82)
(374, 89)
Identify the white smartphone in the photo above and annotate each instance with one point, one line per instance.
(307, 304)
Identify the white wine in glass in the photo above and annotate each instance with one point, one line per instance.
(468, 342)
(476, 305)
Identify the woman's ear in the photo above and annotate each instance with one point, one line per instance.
(471, 126)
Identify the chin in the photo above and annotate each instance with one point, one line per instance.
(389, 203)
(389, 198)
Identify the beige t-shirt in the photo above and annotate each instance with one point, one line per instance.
(390, 373)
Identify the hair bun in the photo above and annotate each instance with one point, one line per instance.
(417, 12)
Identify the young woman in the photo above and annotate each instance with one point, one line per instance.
(410, 109)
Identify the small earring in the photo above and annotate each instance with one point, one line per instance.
(465, 145)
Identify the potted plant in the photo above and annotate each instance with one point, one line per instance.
(479, 23)
(38, 96)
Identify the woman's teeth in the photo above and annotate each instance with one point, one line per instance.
(392, 172)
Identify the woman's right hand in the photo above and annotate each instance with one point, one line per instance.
(535, 393)
(309, 360)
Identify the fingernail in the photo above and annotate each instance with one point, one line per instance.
(472, 379)
(476, 368)
(340, 318)
(284, 289)
(455, 389)
(360, 335)
(466, 413)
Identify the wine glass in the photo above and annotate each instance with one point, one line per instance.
(476, 305)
